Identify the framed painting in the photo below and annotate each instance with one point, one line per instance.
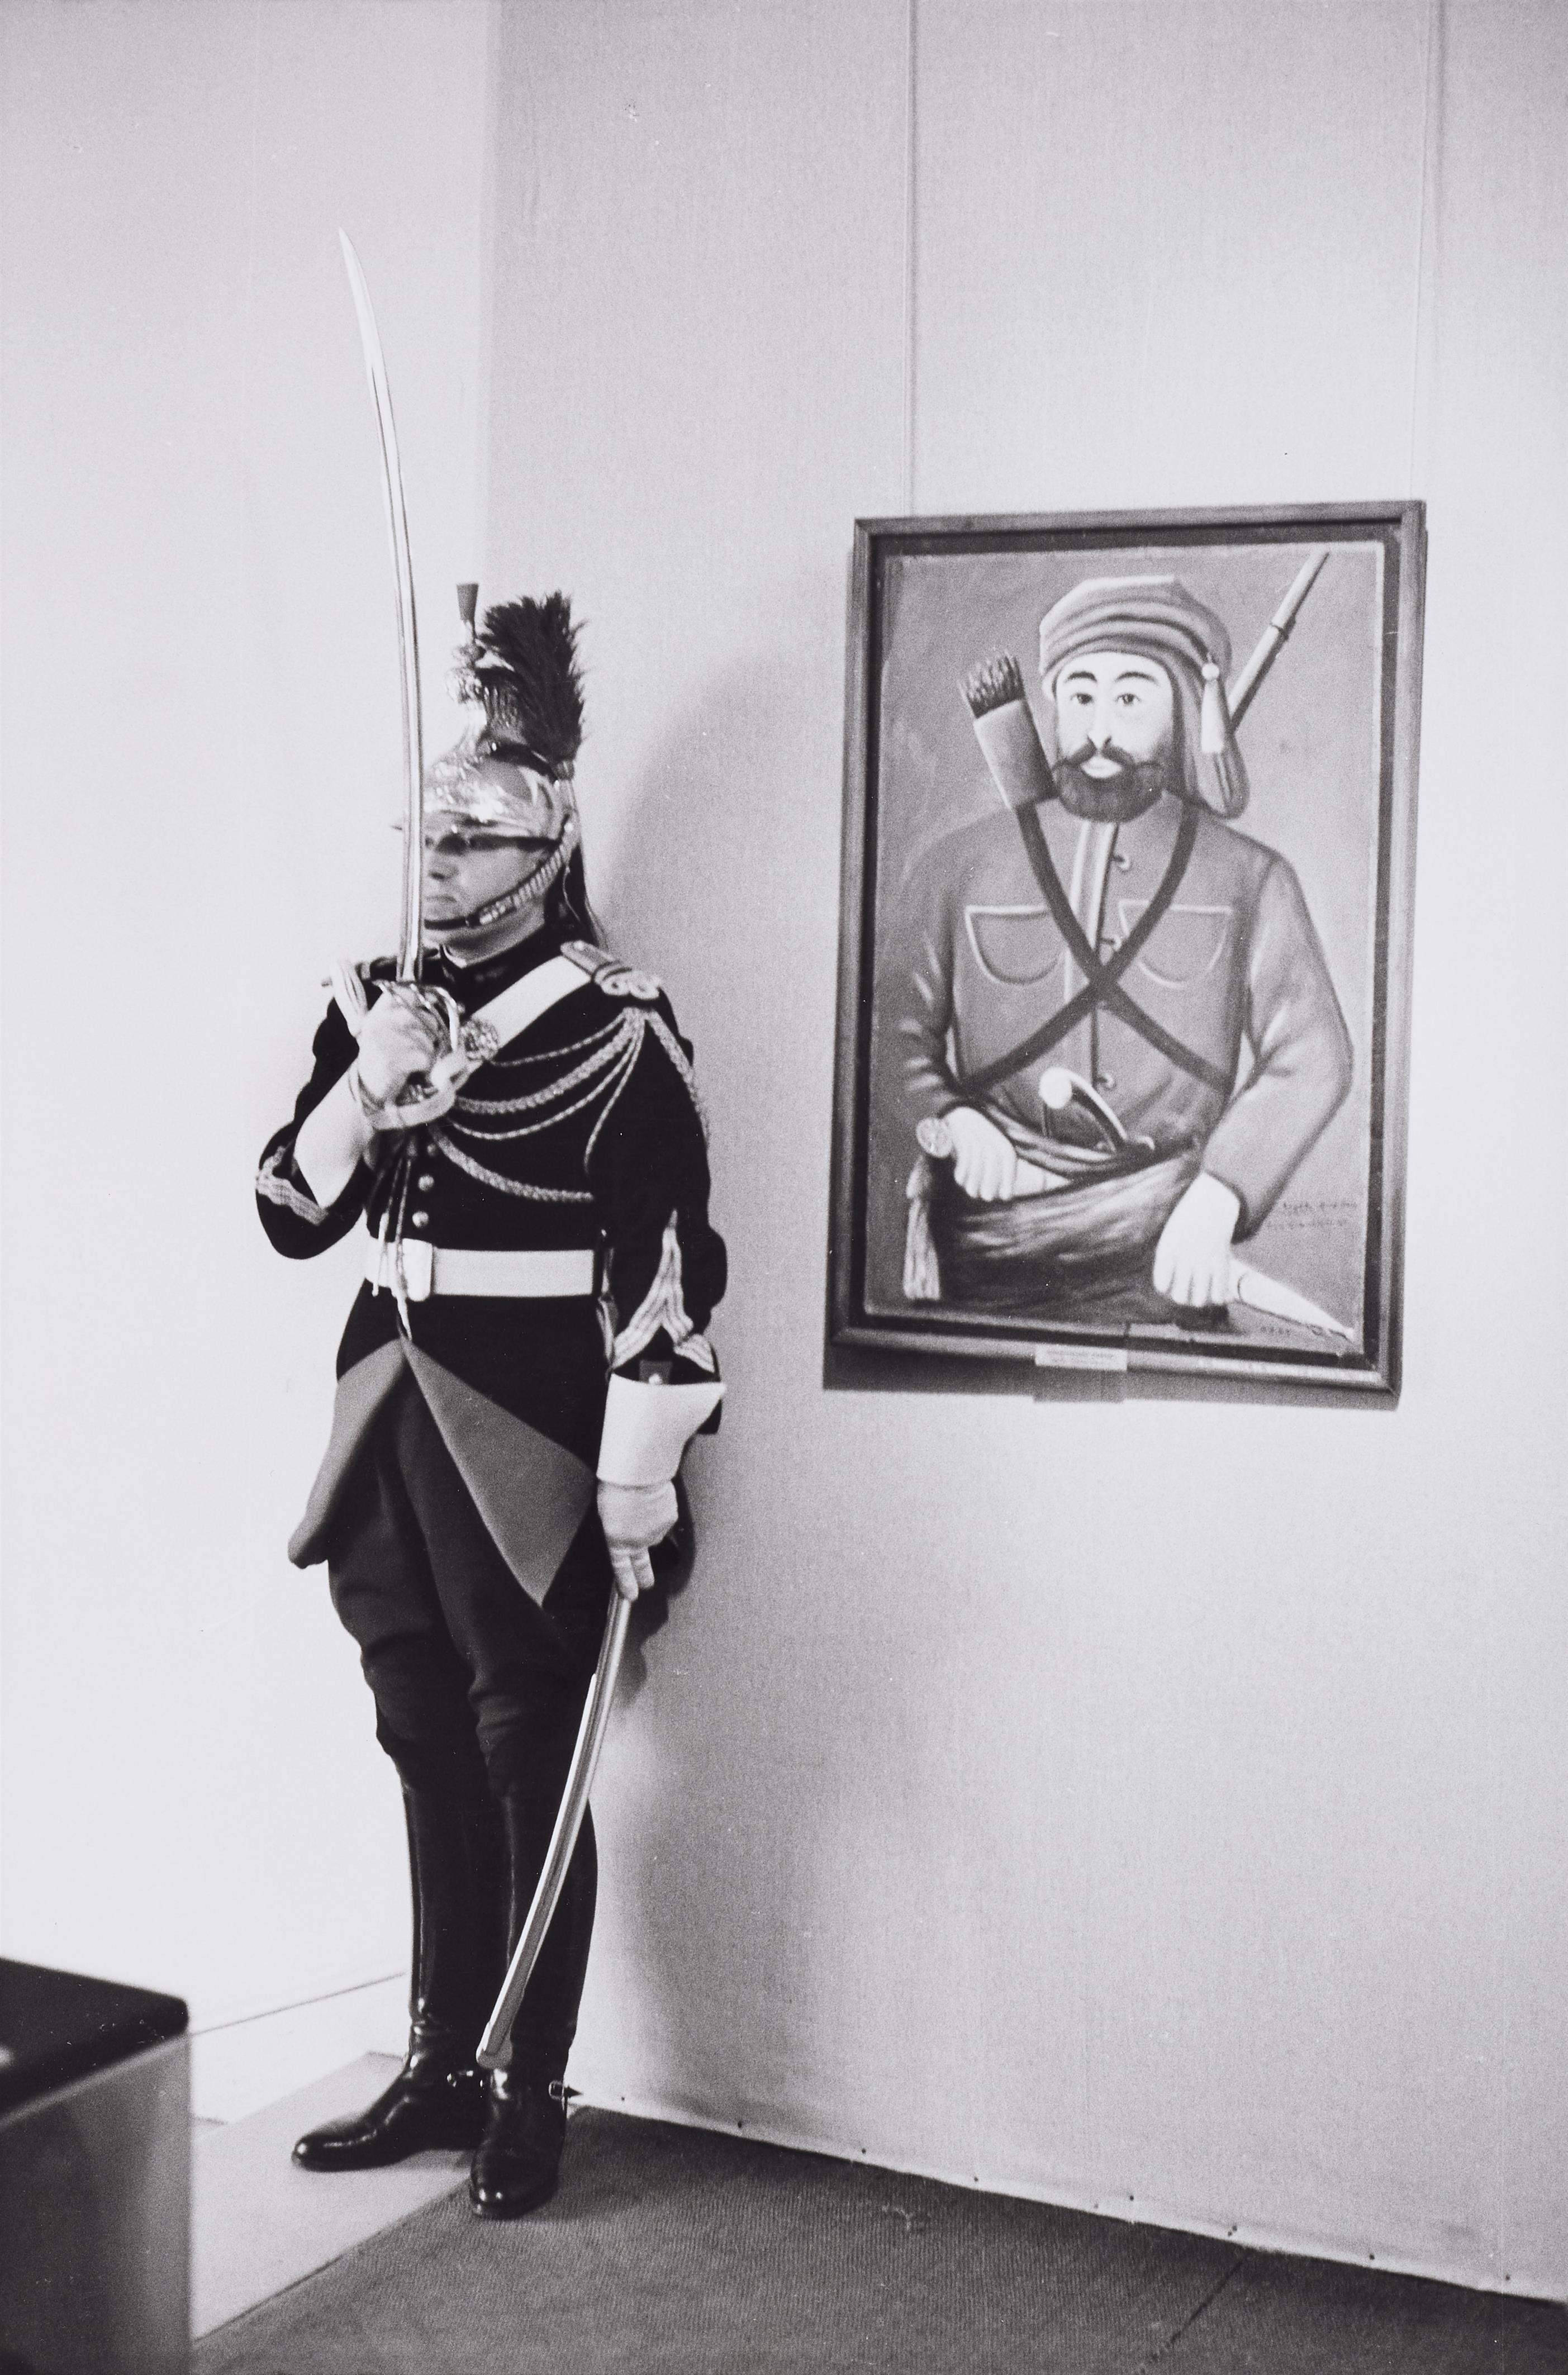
(1129, 831)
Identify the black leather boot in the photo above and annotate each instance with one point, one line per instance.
(436, 2102)
(519, 2156)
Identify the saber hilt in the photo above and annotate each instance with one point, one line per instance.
(1060, 1090)
(936, 1140)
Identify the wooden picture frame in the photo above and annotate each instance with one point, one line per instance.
(1169, 976)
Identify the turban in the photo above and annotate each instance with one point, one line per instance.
(1157, 618)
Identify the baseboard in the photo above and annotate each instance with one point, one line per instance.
(1249, 2235)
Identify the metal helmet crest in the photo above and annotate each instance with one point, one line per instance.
(508, 776)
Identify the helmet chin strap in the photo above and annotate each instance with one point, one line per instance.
(525, 894)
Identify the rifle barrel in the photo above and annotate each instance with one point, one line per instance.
(1238, 699)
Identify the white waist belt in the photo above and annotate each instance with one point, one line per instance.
(473, 1270)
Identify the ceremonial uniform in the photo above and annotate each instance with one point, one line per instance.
(539, 1270)
(454, 1507)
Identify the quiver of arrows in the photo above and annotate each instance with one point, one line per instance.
(1005, 729)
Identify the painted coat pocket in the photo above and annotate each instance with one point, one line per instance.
(1017, 945)
(1189, 942)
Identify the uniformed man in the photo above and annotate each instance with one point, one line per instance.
(1111, 1011)
(519, 1374)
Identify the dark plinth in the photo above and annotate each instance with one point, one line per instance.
(55, 2026)
(94, 2176)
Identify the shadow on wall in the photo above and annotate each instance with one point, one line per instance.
(729, 857)
(706, 842)
(726, 884)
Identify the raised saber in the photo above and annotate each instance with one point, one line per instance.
(568, 1822)
(597, 1707)
(411, 929)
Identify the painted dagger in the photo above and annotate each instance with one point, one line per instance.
(1245, 1284)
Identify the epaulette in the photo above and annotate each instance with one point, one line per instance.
(612, 974)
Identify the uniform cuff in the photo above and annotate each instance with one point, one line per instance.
(648, 1427)
(331, 1141)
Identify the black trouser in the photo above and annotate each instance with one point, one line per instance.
(478, 1691)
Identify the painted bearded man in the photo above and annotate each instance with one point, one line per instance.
(1117, 1034)
(519, 1374)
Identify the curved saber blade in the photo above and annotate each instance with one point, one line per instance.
(563, 1838)
(411, 927)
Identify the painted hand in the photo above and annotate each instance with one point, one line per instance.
(634, 1518)
(1191, 1261)
(984, 1162)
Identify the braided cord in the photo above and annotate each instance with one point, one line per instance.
(614, 1098)
(612, 1047)
(550, 1054)
(604, 1073)
(499, 1179)
(614, 1081)
(676, 1055)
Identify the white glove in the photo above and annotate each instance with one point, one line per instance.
(634, 1518)
(415, 1043)
(984, 1164)
(398, 1043)
(1191, 1260)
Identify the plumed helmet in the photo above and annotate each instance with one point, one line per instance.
(509, 778)
(1157, 618)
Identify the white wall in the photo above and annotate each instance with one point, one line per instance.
(202, 761)
(1157, 1804)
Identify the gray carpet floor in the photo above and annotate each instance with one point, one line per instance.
(672, 2251)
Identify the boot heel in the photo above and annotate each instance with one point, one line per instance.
(518, 2160)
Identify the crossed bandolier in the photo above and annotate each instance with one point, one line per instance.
(1102, 975)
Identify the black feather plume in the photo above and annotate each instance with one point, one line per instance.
(534, 645)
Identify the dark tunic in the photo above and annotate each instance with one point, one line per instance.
(581, 1132)
(543, 1361)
